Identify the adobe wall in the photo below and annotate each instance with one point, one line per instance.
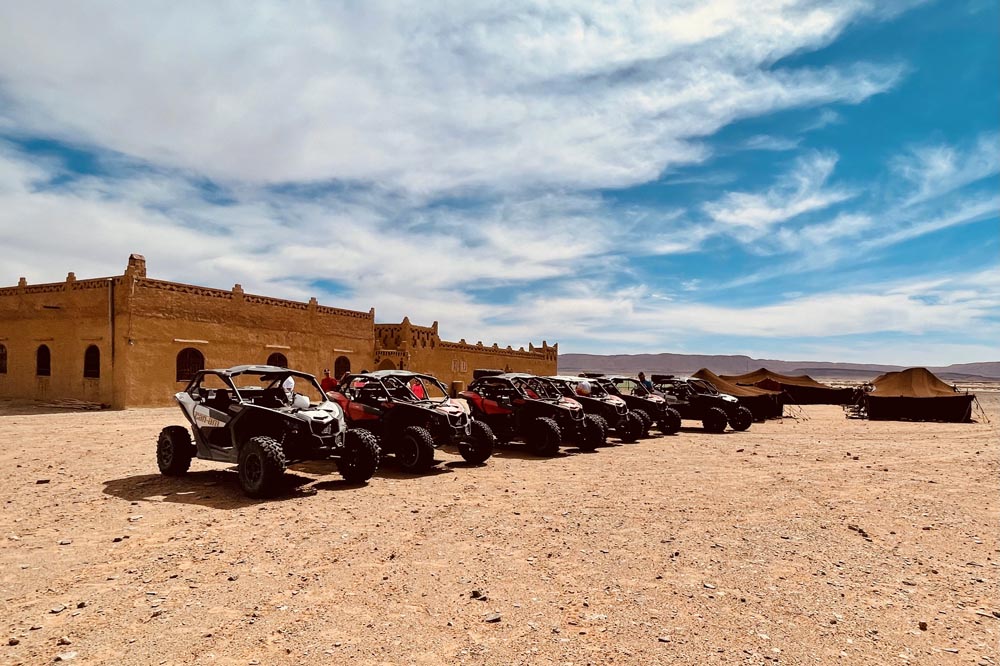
(67, 317)
(421, 349)
(455, 361)
(231, 328)
(140, 325)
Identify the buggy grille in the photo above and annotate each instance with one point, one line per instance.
(325, 428)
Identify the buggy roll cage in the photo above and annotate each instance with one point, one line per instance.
(273, 373)
(394, 382)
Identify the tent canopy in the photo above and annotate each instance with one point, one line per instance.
(801, 389)
(911, 383)
(915, 394)
(761, 374)
(762, 403)
(732, 388)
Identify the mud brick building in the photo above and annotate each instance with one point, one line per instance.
(131, 341)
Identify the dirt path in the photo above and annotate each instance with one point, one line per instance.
(822, 540)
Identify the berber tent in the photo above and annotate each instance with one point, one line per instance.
(762, 403)
(801, 389)
(916, 394)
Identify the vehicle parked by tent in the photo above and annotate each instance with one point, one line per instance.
(801, 389)
(642, 402)
(697, 400)
(762, 403)
(523, 407)
(915, 394)
(611, 411)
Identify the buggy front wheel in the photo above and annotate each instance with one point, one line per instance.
(174, 450)
(361, 456)
(544, 438)
(741, 419)
(260, 467)
(715, 420)
(479, 449)
(415, 450)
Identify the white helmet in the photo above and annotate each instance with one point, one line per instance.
(583, 388)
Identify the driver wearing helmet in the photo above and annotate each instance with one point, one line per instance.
(583, 388)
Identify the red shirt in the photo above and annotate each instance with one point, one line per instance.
(328, 384)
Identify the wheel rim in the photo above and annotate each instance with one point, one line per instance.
(166, 455)
(409, 453)
(253, 471)
(348, 461)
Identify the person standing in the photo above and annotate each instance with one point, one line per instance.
(328, 383)
(645, 383)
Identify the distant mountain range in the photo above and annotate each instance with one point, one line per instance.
(684, 364)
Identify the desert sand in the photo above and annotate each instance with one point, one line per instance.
(813, 540)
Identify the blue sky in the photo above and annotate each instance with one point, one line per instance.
(807, 181)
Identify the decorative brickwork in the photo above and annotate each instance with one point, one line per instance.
(131, 328)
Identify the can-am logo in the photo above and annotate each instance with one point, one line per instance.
(203, 419)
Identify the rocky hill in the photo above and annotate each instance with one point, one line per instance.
(734, 365)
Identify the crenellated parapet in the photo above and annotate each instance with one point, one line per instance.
(545, 351)
(141, 329)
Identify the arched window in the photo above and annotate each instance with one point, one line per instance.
(278, 359)
(341, 366)
(43, 361)
(387, 364)
(189, 361)
(92, 362)
(3, 360)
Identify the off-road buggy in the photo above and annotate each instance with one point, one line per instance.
(698, 400)
(642, 402)
(411, 415)
(263, 418)
(611, 411)
(522, 407)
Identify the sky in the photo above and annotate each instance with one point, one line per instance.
(804, 181)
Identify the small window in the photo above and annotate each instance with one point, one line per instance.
(341, 366)
(3, 360)
(92, 362)
(43, 361)
(277, 359)
(189, 361)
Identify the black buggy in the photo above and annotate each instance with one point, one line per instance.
(698, 400)
(610, 410)
(411, 415)
(523, 407)
(263, 418)
(642, 402)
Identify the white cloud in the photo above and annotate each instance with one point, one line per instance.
(427, 97)
(934, 170)
(804, 189)
(922, 222)
(814, 238)
(465, 141)
(596, 318)
(768, 142)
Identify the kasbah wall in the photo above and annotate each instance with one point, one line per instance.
(127, 340)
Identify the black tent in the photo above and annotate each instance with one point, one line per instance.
(801, 389)
(916, 394)
(762, 403)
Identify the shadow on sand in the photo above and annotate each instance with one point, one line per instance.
(519, 451)
(216, 488)
(700, 430)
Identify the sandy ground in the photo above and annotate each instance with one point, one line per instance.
(813, 540)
